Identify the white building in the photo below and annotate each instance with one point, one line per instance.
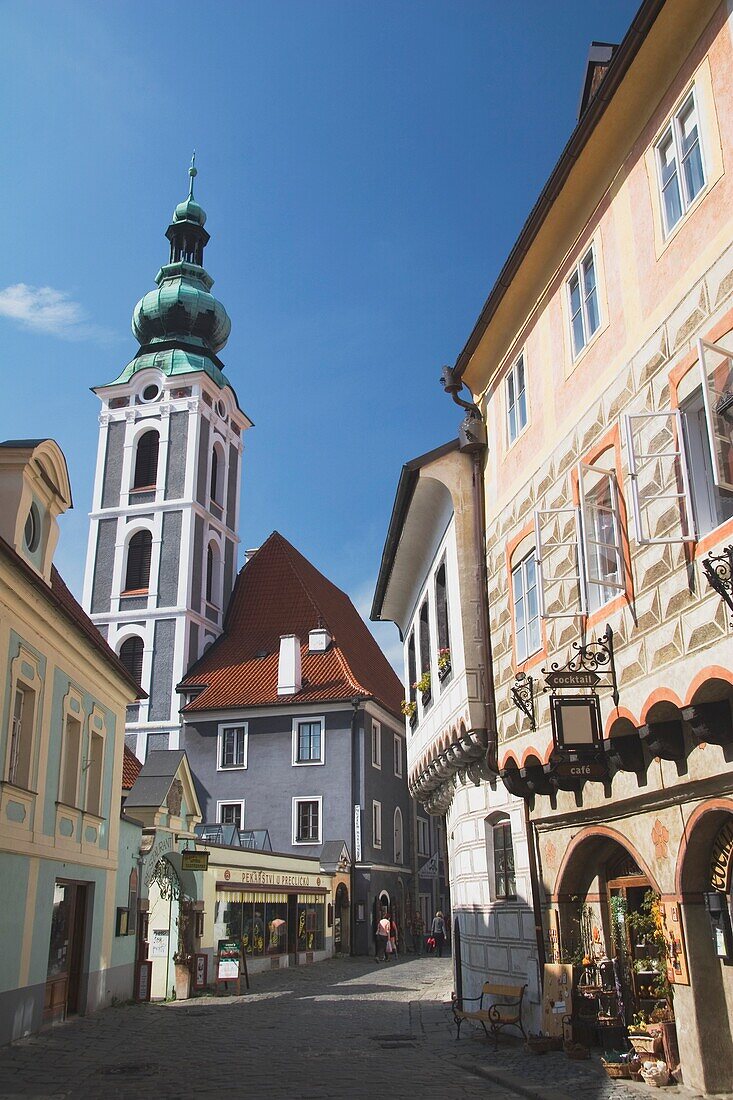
(429, 584)
(162, 554)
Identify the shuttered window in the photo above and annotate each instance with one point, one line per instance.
(146, 461)
(137, 577)
(131, 655)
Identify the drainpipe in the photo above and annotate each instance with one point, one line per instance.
(472, 440)
(355, 703)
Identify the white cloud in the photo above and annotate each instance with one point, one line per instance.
(45, 309)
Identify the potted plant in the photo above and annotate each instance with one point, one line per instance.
(423, 686)
(409, 709)
(444, 663)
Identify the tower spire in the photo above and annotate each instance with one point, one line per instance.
(192, 173)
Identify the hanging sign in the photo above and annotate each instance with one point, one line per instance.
(159, 948)
(430, 868)
(565, 679)
(194, 861)
(581, 771)
(357, 834)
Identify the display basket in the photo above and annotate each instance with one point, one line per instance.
(646, 1043)
(655, 1076)
(616, 1069)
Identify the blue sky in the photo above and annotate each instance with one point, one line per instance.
(365, 167)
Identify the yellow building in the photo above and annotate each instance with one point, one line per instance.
(598, 367)
(63, 695)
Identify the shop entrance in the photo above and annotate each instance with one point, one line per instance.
(341, 929)
(292, 930)
(65, 952)
(705, 884)
(611, 929)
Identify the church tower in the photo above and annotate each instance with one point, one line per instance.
(162, 554)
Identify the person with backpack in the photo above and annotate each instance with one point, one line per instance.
(437, 931)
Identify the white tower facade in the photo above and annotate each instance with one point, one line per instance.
(162, 553)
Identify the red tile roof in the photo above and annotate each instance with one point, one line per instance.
(279, 592)
(131, 768)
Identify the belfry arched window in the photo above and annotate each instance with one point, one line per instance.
(137, 574)
(131, 655)
(213, 562)
(146, 461)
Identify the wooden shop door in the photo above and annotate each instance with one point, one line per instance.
(65, 951)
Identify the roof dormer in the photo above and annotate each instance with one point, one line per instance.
(34, 491)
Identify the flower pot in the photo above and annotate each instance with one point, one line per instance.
(183, 982)
(646, 1043)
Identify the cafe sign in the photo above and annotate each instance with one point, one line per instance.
(194, 861)
(720, 858)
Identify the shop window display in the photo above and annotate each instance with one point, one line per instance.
(258, 921)
(310, 922)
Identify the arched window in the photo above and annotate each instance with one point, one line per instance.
(146, 461)
(214, 485)
(137, 575)
(131, 655)
(399, 854)
(441, 614)
(411, 667)
(212, 574)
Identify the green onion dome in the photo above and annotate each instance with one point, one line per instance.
(181, 309)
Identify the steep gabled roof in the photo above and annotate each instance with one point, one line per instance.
(131, 768)
(279, 592)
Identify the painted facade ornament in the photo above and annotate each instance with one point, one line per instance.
(660, 839)
(175, 798)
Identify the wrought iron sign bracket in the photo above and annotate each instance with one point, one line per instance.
(523, 696)
(586, 667)
(719, 572)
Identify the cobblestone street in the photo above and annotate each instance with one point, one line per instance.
(341, 1029)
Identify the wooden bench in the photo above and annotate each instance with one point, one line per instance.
(499, 1006)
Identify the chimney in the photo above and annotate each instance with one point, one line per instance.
(289, 678)
(319, 640)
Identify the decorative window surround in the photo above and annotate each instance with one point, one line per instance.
(583, 302)
(232, 746)
(516, 400)
(376, 824)
(231, 813)
(376, 744)
(398, 756)
(309, 741)
(308, 819)
(680, 162)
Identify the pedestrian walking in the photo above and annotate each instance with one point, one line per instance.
(383, 928)
(437, 930)
(393, 938)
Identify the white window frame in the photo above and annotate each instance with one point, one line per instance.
(230, 802)
(638, 460)
(578, 273)
(398, 756)
(78, 718)
(223, 727)
(86, 765)
(296, 802)
(423, 834)
(376, 824)
(512, 383)
(673, 130)
(376, 744)
(579, 543)
(597, 596)
(521, 569)
(296, 741)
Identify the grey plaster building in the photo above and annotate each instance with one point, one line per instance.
(162, 551)
(292, 724)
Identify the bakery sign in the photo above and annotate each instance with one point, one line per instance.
(272, 878)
